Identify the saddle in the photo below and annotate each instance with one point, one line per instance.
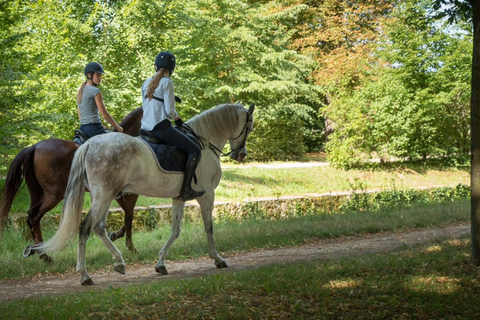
(170, 158)
(80, 137)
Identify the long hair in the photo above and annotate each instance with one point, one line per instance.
(80, 92)
(155, 81)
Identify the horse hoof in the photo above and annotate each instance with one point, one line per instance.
(221, 264)
(46, 258)
(87, 282)
(120, 269)
(112, 236)
(28, 251)
(161, 270)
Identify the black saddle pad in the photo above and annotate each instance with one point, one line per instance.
(170, 158)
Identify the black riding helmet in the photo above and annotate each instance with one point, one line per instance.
(165, 60)
(93, 67)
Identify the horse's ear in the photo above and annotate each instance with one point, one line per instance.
(251, 109)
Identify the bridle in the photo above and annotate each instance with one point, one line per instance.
(244, 131)
(213, 147)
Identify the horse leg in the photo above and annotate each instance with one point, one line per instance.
(84, 234)
(177, 215)
(128, 205)
(97, 213)
(101, 230)
(120, 233)
(206, 208)
(36, 213)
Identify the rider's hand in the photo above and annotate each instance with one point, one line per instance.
(178, 122)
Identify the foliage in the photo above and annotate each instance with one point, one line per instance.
(416, 104)
(341, 34)
(224, 55)
(300, 61)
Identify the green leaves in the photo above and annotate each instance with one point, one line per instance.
(415, 105)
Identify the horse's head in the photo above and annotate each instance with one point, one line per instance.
(238, 145)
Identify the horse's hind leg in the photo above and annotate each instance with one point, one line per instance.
(128, 205)
(84, 234)
(177, 215)
(206, 207)
(96, 217)
(39, 206)
(101, 231)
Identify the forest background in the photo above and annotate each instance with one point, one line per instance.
(355, 78)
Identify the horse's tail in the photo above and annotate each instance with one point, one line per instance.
(20, 168)
(72, 206)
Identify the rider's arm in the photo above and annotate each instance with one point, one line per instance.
(105, 114)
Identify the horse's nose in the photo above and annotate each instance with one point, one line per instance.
(241, 156)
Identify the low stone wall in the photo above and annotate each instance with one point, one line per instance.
(274, 208)
(147, 218)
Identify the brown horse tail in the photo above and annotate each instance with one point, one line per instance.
(72, 206)
(21, 167)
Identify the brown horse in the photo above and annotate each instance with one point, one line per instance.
(45, 166)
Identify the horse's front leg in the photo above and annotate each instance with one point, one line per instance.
(128, 205)
(206, 207)
(177, 215)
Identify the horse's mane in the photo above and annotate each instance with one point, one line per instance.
(218, 120)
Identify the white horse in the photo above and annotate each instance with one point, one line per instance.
(115, 164)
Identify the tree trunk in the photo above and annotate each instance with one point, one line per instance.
(475, 132)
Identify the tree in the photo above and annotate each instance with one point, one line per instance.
(227, 51)
(469, 10)
(414, 101)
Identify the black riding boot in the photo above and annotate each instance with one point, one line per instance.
(187, 193)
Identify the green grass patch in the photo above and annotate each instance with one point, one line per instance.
(432, 281)
(232, 236)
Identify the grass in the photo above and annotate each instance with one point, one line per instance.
(241, 182)
(231, 237)
(432, 281)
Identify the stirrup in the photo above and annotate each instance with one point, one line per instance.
(191, 194)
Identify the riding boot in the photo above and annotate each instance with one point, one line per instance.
(187, 192)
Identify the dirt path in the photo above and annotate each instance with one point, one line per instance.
(139, 274)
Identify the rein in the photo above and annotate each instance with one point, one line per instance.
(202, 140)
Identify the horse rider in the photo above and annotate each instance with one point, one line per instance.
(90, 103)
(158, 111)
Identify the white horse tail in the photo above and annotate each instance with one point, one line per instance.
(72, 206)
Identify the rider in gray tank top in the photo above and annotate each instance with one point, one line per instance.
(88, 107)
(90, 103)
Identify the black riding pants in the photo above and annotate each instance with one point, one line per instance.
(174, 137)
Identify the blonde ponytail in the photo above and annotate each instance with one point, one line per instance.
(155, 81)
(80, 92)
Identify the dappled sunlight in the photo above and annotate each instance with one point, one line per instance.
(434, 248)
(342, 284)
(458, 243)
(434, 284)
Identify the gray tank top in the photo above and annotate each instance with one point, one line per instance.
(88, 106)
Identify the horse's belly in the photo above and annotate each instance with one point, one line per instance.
(150, 181)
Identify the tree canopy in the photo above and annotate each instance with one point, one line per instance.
(389, 74)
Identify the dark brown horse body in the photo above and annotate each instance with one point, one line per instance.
(45, 166)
